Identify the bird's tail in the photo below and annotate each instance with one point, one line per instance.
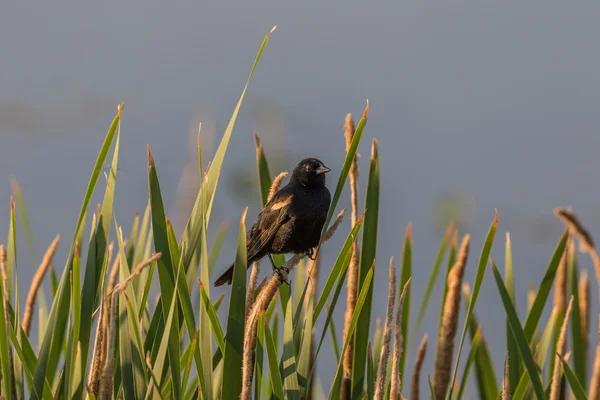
(226, 277)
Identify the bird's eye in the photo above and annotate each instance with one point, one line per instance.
(307, 167)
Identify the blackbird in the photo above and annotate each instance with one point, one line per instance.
(292, 221)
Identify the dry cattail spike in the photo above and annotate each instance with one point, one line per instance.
(396, 384)
(584, 310)
(98, 356)
(447, 332)
(136, 271)
(387, 335)
(557, 386)
(276, 184)
(252, 285)
(415, 382)
(560, 283)
(506, 382)
(248, 356)
(331, 231)
(352, 284)
(108, 372)
(594, 391)
(36, 282)
(586, 244)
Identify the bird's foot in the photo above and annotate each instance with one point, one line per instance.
(279, 272)
(311, 254)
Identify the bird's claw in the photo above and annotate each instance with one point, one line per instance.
(282, 278)
(310, 253)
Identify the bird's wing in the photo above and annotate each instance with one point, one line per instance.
(270, 219)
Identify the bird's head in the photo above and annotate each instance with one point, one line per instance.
(310, 172)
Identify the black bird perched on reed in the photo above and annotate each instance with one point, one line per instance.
(292, 221)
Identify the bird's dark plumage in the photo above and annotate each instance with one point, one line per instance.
(292, 221)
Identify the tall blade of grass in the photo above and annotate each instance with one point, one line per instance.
(160, 364)
(370, 373)
(305, 354)
(520, 336)
(542, 352)
(337, 269)
(53, 338)
(574, 383)
(11, 252)
(290, 375)
(367, 256)
(514, 365)
(4, 345)
(350, 153)
(544, 290)
(475, 343)
(483, 259)
(334, 339)
(433, 276)
(214, 319)
(484, 367)
(166, 276)
(274, 372)
(577, 335)
(405, 275)
(205, 342)
(216, 246)
(234, 338)
(336, 385)
(203, 204)
(329, 319)
(71, 386)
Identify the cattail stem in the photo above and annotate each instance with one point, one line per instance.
(252, 286)
(557, 387)
(36, 282)
(396, 384)
(445, 345)
(594, 392)
(421, 352)
(506, 382)
(387, 335)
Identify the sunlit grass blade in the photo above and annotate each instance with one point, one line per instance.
(11, 252)
(520, 336)
(216, 246)
(484, 367)
(290, 375)
(337, 268)
(574, 383)
(475, 342)
(4, 345)
(433, 276)
(234, 337)
(577, 335)
(367, 256)
(336, 385)
(405, 275)
(514, 364)
(541, 352)
(483, 260)
(305, 354)
(54, 336)
(544, 290)
(334, 338)
(166, 276)
(213, 318)
(274, 372)
(203, 204)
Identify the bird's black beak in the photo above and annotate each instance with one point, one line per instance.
(322, 170)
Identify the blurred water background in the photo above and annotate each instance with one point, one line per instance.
(476, 105)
